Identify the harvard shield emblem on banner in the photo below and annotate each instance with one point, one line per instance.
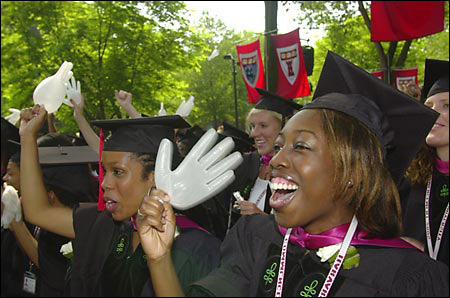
(290, 62)
(250, 67)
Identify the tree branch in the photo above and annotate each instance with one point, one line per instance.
(404, 54)
(378, 45)
(391, 51)
(136, 58)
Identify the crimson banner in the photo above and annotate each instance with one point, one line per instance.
(378, 74)
(292, 76)
(404, 76)
(404, 20)
(252, 68)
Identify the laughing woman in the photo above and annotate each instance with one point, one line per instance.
(337, 214)
(108, 259)
(427, 203)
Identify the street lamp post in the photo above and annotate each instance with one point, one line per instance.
(230, 57)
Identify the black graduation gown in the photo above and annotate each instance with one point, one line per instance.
(251, 254)
(104, 263)
(14, 264)
(246, 176)
(414, 214)
(53, 265)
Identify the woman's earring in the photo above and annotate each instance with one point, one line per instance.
(350, 183)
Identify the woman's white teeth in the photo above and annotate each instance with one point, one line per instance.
(110, 202)
(283, 186)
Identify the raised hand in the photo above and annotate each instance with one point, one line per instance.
(51, 91)
(32, 120)
(73, 92)
(410, 88)
(202, 174)
(248, 208)
(74, 97)
(156, 225)
(123, 98)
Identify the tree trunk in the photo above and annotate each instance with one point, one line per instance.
(271, 71)
(384, 63)
(378, 46)
(403, 54)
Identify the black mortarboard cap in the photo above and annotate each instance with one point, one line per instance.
(10, 138)
(190, 134)
(275, 103)
(242, 140)
(140, 134)
(400, 122)
(66, 168)
(66, 155)
(436, 78)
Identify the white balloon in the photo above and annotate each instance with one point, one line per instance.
(51, 91)
(203, 173)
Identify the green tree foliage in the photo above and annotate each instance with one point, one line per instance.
(149, 49)
(348, 36)
(212, 86)
(135, 46)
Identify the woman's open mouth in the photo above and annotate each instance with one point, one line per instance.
(283, 191)
(110, 205)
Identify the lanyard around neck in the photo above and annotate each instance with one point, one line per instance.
(433, 252)
(332, 274)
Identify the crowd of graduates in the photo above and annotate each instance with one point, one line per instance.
(345, 196)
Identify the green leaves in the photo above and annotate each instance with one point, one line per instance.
(111, 44)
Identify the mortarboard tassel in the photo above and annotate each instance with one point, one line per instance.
(101, 202)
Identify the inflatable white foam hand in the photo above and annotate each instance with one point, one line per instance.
(14, 117)
(180, 108)
(185, 108)
(73, 91)
(202, 174)
(51, 91)
(13, 209)
(214, 54)
(162, 112)
(188, 106)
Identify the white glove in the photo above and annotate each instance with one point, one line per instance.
(51, 91)
(13, 209)
(202, 174)
(73, 91)
(14, 117)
